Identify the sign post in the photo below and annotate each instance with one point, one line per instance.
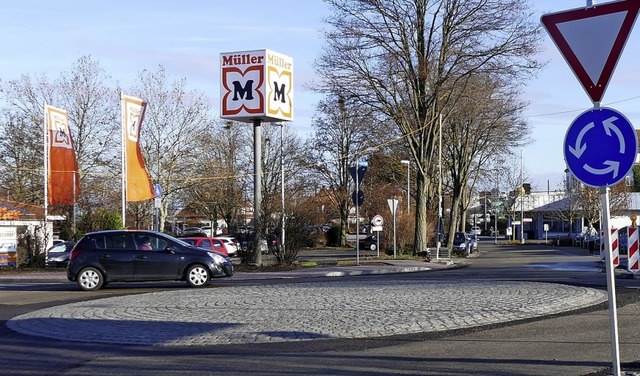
(157, 203)
(393, 205)
(601, 145)
(377, 223)
(611, 283)
(357, 173)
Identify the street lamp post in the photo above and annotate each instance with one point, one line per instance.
(521, 201)
(408, 163)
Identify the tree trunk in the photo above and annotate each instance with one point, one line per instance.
(421, 232)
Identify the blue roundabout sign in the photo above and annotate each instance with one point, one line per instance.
(600, 147)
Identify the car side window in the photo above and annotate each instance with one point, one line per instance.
(158, 244)
(205, 244)
(116, 241)
(143, 242)
(99, 242)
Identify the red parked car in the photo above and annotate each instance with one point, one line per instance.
(207, 243)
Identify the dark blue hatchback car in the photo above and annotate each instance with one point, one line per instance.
(137, 255)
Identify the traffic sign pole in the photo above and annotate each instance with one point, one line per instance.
(393, 206)
(601, 145)
(357, 173)
(611, 290)
(357, 215)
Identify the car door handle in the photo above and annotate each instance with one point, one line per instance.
(142, 257)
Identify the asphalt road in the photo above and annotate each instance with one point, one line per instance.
(511, 281)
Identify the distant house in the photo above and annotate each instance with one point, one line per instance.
(27, 221)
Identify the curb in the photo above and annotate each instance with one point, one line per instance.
(393, 267)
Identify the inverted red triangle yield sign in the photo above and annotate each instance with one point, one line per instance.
(592, 39)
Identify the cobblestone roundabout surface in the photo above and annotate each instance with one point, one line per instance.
(294, 312)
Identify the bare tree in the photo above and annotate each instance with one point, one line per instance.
(88, 94)
(22, 146)
(280, 155)
(173, 120)
(224, 176)
(410, 59)
(341, 138)
(475, 132)
(20, 159)
(588, 202)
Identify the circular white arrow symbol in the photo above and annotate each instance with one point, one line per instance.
(600, 147)
(580, 147)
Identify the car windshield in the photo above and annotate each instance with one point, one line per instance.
(58, 248)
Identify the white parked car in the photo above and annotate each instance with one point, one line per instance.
(231, 244)
(475, 230)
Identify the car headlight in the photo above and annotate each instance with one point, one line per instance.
(217, 258)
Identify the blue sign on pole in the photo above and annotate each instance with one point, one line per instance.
(600, 147)
(157, 190)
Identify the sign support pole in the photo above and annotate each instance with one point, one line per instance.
(357, 213)
(611, 286)
(257, 189)
(393, 206)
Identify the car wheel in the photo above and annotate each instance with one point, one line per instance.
(90, 279)
(197, 276)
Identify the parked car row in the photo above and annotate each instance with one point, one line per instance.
(465, 242)
(58, 255)
(224, 244)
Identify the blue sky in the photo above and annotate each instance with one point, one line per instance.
(187, 37)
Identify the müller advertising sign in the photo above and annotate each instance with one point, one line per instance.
(256, 85)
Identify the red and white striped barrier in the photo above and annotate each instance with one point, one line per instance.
(615, 253)
(633, 264)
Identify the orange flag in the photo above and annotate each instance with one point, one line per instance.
(138, 185)
(63, 181)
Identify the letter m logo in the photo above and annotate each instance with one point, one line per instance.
(280, 93)
(241, 92)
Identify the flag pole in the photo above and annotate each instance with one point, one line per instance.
(46, 162)
(123, 158)
(75, 205)
(46, 178)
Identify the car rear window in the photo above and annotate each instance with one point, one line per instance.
(111, 241)
(205, 244)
